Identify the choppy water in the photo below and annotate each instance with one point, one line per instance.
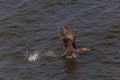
(30, 25)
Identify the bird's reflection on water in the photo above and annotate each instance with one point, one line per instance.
(71, 66)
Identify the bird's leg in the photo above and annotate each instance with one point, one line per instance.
(63, 55)
(67, 53)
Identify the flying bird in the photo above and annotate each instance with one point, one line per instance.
(68, 39)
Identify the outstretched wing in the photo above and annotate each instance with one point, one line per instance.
(68, 38)
(69, 34)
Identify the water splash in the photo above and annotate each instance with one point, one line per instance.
(33, 57)
(51, 54)
(74, 55)
(37, 55)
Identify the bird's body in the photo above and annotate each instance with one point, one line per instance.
(68, 39)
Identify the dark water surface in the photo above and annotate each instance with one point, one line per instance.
(30, 25)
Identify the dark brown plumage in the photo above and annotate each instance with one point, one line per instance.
(68, 39)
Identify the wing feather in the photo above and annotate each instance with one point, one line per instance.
(65, 40)
(69, 34)
(68, 38)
